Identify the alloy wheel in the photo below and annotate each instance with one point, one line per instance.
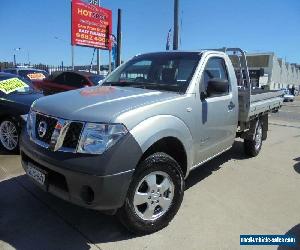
(9, 136)
(153, 195)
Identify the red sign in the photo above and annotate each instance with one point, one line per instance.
(91, 25)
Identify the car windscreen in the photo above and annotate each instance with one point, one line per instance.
(33, 74)
(14, 84)
(97, 79)
(159, 71)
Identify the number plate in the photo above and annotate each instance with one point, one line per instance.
(37, 174)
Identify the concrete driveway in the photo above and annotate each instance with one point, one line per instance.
(228, 196)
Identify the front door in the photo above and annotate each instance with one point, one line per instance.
(218, 112)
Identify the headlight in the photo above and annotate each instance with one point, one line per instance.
(32, 105)
(97, 138)
(24, 117)
(30, 123)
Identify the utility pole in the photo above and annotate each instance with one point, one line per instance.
(72, 46)
(176, 25)
(119, 38)
(15, 60)
(98, 62)
(72, 56)
(98, 55)
(109, 61)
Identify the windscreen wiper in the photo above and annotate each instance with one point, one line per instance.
(125, 84)
(117, 83)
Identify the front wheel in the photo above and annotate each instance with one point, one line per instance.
(154, 196)
(9, 135)
(252, 147)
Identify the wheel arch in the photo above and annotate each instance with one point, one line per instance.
(10, 117)
(168, 134)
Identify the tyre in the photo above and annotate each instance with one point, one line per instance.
(252, 147)
(154, 196)
(9, 135)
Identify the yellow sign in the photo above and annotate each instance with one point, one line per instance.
(11, 85)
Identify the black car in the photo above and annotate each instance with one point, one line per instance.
(28, 73)
(14, 107)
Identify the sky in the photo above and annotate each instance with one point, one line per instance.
(255, 26)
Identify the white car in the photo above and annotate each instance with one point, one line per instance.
(288, 97)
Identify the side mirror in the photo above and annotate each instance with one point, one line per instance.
(217, 87)
(261, 72)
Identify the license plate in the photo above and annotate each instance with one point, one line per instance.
(37, 174)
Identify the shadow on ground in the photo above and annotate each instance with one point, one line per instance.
(295, 231)
(3, 152)
(202, 172)
(30, 218)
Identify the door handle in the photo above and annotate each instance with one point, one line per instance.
(231, 106)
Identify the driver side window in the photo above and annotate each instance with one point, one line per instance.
(215, 69)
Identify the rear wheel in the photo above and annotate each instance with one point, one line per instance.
(154, 196)
(252, 147)
(9, 135)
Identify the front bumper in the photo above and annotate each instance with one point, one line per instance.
(288, 98)
(94, 181)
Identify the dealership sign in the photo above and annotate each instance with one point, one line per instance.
(91, 25)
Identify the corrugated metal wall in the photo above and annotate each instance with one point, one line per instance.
(281, 74)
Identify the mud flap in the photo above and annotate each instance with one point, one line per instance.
(265, 126)
(249, 135)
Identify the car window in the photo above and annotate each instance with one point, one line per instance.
(215, 69)
(136, 72)
(11, 71)
(28, 88)
(60, 79)
(33, 74)
(158, 71)
(75, 80)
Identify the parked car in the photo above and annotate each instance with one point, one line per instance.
(127, 146)
(67, 80)
(14, 108)
(288, 97)
(28, 73)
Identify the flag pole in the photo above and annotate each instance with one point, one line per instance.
(176, 26)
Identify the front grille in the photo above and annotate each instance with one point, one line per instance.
(51, 123)
(73, 135)
(57, 133)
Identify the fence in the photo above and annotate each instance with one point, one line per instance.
(53, 68)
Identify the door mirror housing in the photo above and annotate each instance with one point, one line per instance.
(217, 87)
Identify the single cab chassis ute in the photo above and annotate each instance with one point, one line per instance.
(127, 146)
